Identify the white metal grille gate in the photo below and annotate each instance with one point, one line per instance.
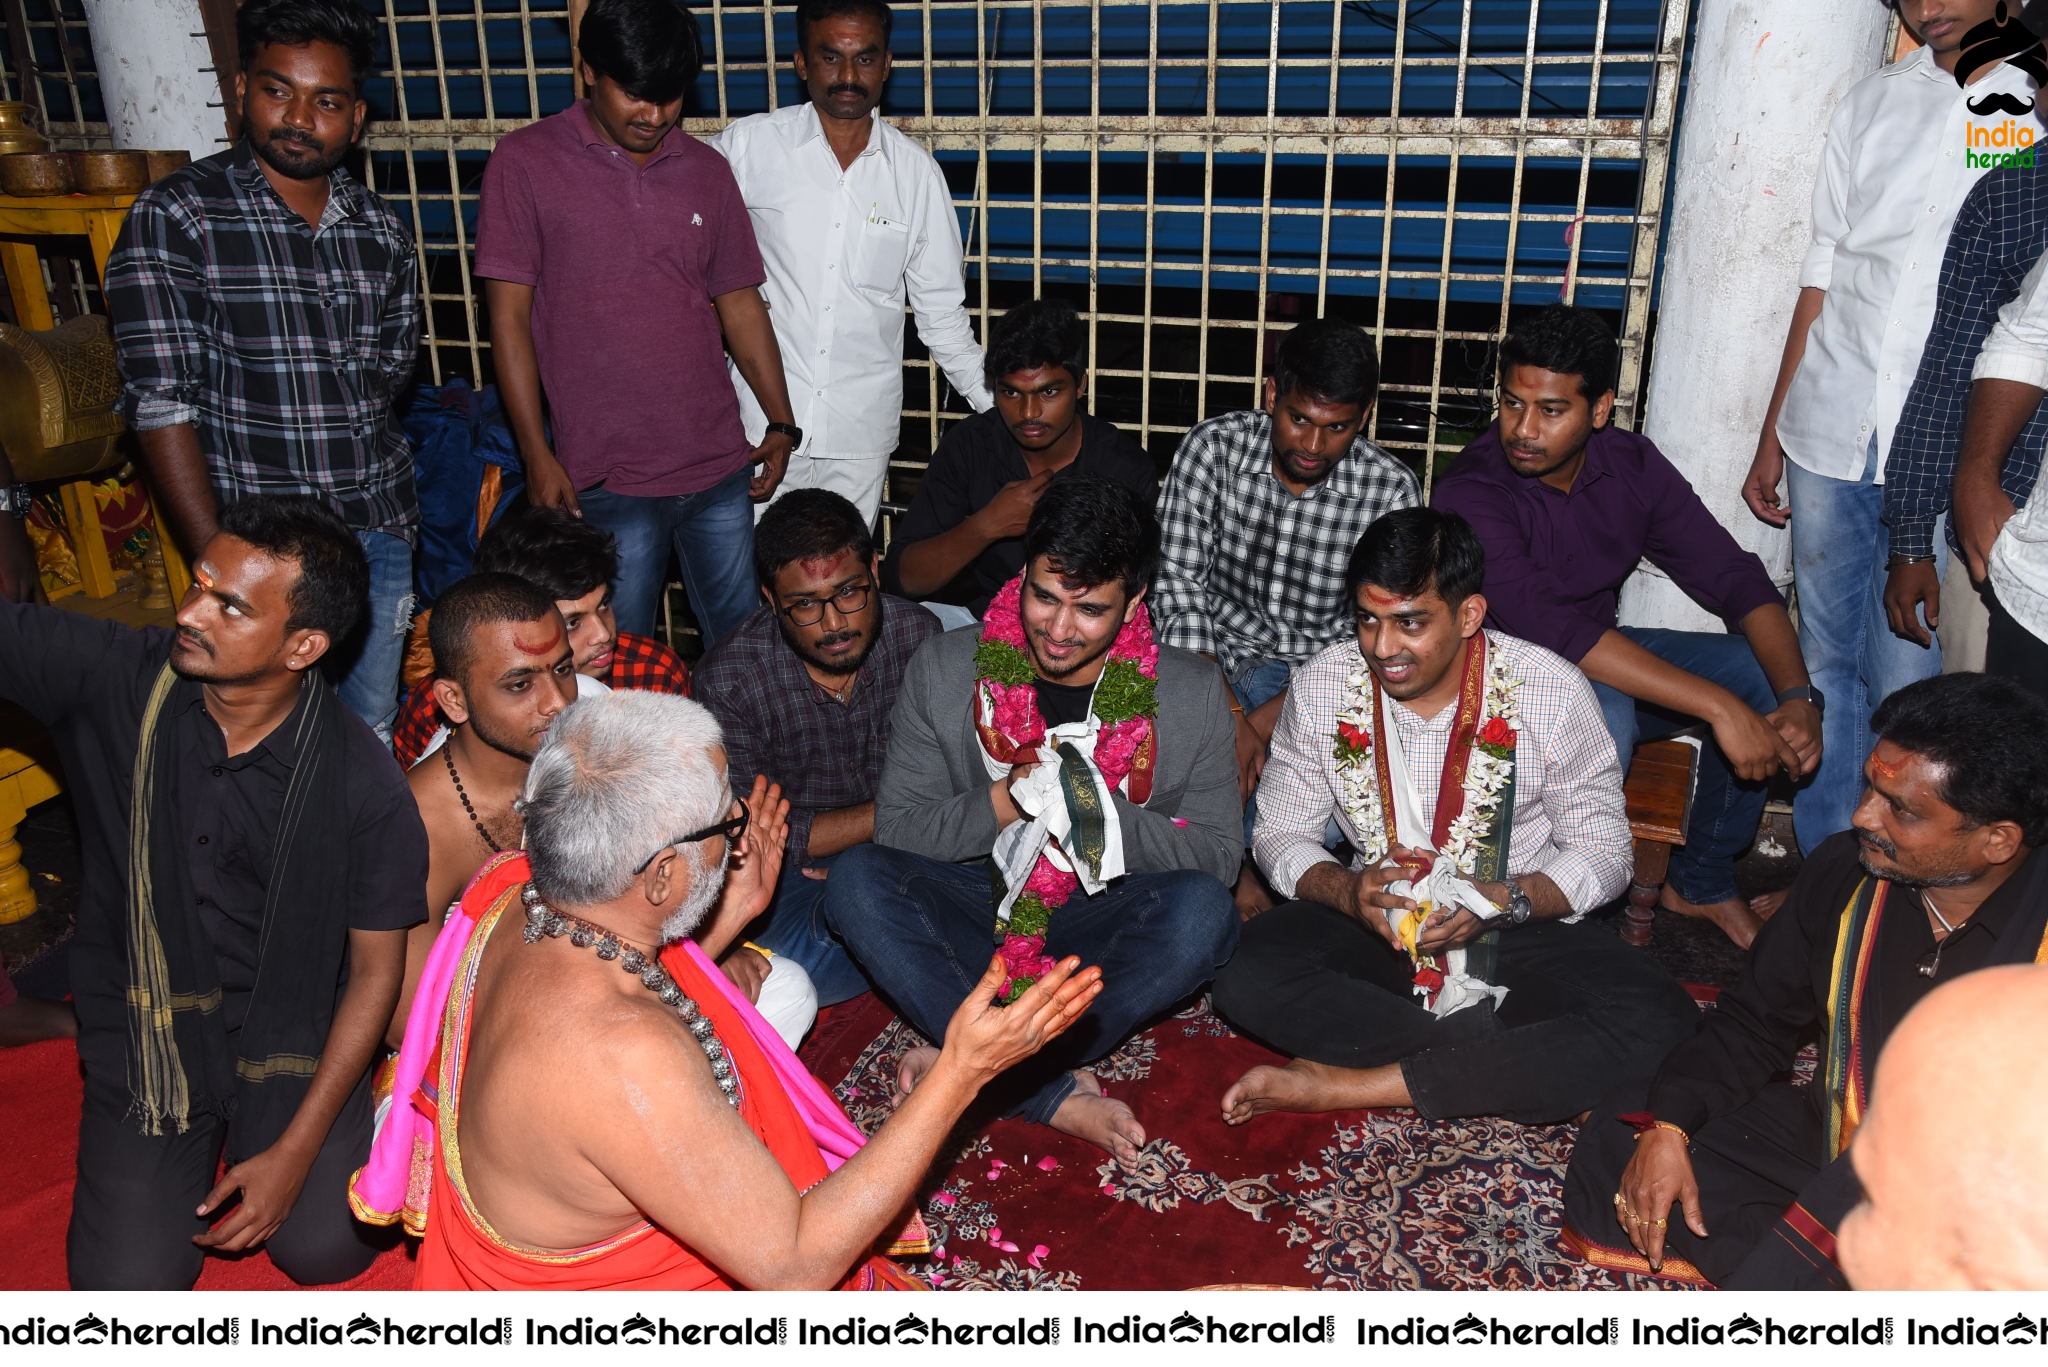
(1195, 175)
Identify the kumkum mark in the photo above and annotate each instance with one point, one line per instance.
(542, 647)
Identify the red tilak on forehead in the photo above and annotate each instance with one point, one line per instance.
(540, 647)
(1380, 598)
(1884, 770)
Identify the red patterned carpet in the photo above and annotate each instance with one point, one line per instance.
(1361, 1200)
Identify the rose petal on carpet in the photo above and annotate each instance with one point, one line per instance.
(1357, 1200)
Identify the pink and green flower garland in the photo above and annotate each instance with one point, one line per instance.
(1011, 728)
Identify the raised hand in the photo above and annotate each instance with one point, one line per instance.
(756, 863)
(983, 1038)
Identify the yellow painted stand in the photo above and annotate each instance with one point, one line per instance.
(97, 219)
(23, 783)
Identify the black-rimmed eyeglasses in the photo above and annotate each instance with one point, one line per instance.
(732, 828)
(808, 612)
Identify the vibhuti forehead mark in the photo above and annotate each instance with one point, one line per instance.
(539, 647)
(202, 575)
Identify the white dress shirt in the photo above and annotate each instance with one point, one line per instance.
(2017, 349)
(1570, 820)
(845, 251)
(1893, 174)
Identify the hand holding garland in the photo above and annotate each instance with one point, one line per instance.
(1441, 932)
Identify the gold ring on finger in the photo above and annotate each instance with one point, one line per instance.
(1662, 1223)
(1620, 1202)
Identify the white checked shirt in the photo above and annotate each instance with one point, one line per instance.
(845, 251)
(1570, 821)
(1248, 570)
(2017, 349)
(1893, 175)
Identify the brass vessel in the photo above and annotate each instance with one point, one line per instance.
(28, 174)
(18, 132)
(109, 173)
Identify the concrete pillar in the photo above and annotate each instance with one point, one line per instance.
(1766, 76)
(154, 68)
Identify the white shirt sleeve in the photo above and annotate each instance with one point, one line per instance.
(2017, 347)
(935, 286)
(1830, 205)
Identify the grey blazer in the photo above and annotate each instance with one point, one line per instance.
(934, 800)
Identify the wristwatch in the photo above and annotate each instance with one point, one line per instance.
(790, 430)
(1806, 693)
(16, 499)
(1519, 908)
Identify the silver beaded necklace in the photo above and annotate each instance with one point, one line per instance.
(542, 919)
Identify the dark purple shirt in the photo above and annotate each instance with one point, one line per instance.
(624, 261)
(1555, 562)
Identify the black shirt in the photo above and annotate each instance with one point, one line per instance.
(88, 682)
(1062, 704)
(973, 463)
(1759, 1024)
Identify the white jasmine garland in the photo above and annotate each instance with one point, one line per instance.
(1486, 775)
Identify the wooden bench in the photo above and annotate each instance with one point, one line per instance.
(1659, 794)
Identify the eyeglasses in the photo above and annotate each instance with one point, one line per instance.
(732, 828)
(808, 612)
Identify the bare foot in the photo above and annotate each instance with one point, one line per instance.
(1734, 916)
(1251, 894)
(912, 1067)
(1765, 904)
(1312, 1087)
(1105, 1123)
(30, 1020)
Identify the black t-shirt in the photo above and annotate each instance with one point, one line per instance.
(973, 463)
(1062, 704)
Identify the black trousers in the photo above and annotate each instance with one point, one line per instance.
(132, 1217)
(1751, 1165)
(2012, 650)
(1583, 1010)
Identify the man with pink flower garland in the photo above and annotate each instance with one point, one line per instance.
(1093, 771)
(1470, 770)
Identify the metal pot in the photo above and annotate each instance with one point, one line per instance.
(34, 174)
(162, 164)
(109, 173)
(17, 129)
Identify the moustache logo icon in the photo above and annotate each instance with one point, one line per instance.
(1998, 102)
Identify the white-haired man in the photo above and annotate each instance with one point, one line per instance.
(644, 1128)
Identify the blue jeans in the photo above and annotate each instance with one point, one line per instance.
(1839, 547)
(924, 931)
(1255, 685)
(366, 668)
(797, 930)
(712, 532)
(1725, 810)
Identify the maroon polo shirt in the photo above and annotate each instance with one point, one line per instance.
(624, 261)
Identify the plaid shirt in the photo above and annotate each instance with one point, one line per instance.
(1249, 571)
(638, 662)
(2000, 233)
(826, 754)
(283, 345)
(1570, 821)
